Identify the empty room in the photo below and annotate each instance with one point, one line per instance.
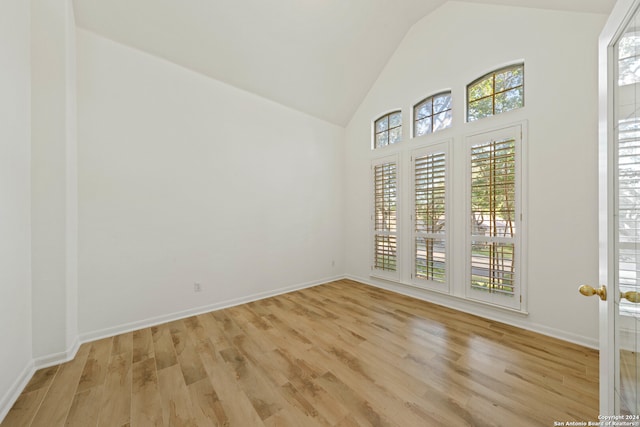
(319, 213)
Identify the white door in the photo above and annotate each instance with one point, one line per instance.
(620, 213)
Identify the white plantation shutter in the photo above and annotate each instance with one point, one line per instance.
(495, 217)
(385, 217)
(430, 228)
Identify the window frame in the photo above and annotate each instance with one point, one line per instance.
(375, 272)
(518, 132)
(437, 147)
(620, 60)
(415, 119)
(492, 75)
(374, 133)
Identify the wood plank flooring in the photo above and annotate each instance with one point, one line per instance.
(341, 354)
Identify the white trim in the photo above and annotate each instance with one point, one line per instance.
(58, 358)
(494, 313)
(157, 320)
(12, 395)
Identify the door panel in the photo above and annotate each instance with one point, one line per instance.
(620, 210)
(626, 80)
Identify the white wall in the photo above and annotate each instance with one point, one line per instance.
(54, 181)
(15, 281)
(450, 48)
(184, 179)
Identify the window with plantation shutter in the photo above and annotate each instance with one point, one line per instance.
(495, 217)
(385, 217)
(430, 217)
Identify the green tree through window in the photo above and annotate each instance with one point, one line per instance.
(493, 215)
(497, 92)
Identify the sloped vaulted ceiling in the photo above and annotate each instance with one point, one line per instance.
(317, 56)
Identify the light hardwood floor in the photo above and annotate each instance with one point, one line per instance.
(339, 354)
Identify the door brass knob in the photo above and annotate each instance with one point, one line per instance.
(588, 291)
(631, 296)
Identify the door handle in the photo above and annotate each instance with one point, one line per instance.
(588, 291)
(631, 296)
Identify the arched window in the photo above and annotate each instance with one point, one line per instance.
(497, 92)
(432, 114)
(388, 129)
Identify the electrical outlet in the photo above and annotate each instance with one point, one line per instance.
(197, 287)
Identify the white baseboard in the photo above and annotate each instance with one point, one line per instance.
(16, 388)
(34, 364)
(477, 309)
(141, 324)
(57, 358)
